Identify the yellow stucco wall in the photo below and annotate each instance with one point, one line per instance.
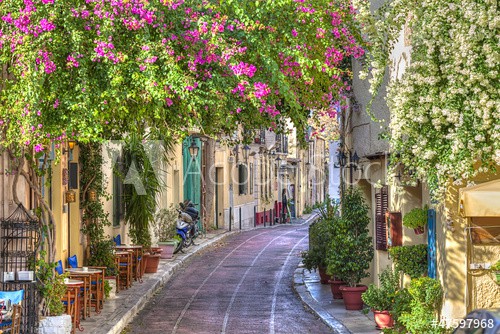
(464, 290)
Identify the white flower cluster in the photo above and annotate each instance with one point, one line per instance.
(445, 110)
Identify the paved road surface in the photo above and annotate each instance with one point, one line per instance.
(240, 285)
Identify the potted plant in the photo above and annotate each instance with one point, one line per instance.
(411, 260)
(320, 234)
(496, 270)
(52, 290)
(351, 251)
(165, 231)
(416, 219)
(381, 298)
(422, 310)
(141, 187)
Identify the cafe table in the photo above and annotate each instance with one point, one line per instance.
(72, 300)
(87, 275)
(136, 259)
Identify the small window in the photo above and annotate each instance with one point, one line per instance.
(243, 179)
(118, 203)
(251, 178)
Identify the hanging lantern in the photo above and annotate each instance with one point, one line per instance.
(92, 195)
(70, 196)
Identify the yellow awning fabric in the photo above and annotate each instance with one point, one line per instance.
(482, 200)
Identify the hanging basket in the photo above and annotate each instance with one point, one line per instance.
(419, 230)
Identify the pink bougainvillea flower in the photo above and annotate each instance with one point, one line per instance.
(38, 148)
(261, 90)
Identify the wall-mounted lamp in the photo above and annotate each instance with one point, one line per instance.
(70, 196)
(71, 146)
(193, 149)
(246, 150)
(341, 160)
(92, 195)
(355, 160)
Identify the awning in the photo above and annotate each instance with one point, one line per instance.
(482, 200)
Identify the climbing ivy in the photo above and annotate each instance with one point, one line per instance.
(99, 250)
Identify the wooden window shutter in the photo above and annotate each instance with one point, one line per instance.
(395, 226)
(381, 205)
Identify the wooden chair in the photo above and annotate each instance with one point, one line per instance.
(11, 307)
(71, 301)
(84, 292)
(97, 288)
(124, 265)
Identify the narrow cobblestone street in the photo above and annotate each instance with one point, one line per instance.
(240, 285)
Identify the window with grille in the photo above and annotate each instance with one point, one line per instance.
(381, 206)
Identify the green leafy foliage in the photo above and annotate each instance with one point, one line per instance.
(164, 224)
(351, 249)
(425, 305)
(141, 186)
(107, 288)
(307, 210)
(95, 218)
(416, 218)
(383, 297)
(496, 266)
(411, 260)
(51, 287)
(320, 234)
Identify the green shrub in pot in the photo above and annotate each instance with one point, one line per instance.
(320, 236)
(351, 250)
(424, 308)
(411, 260)
(382, 297)
(416, 218)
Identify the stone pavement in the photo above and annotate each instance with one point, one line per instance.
(332, 311)
(119, 311)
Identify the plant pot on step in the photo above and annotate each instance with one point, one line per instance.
(167, 248)
(323, 276)
(419, 230)
(152, 263)
(383, 319)
(335, 287)
(352, 296)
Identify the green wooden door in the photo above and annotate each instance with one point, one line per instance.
(192, 172)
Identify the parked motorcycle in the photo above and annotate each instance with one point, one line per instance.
(186, 225)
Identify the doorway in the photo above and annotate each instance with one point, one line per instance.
(219, 196)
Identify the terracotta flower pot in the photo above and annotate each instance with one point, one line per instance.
(419, 230)
(352, 296)
(324, 277)
(152, 263)
(383, 319)
(335, 287)
(167, 249)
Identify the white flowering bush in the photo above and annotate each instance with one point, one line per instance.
(445, 109)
